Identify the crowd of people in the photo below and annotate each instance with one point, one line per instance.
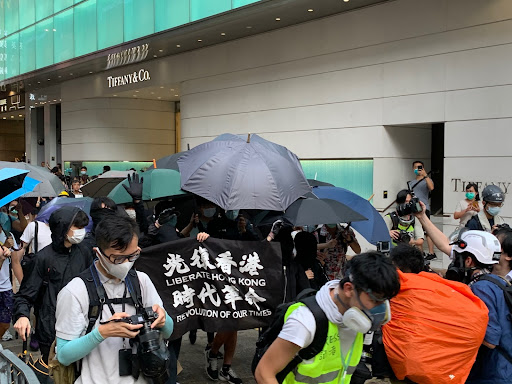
(76, 288)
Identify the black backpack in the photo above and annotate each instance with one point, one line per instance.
(29, 259)
(308, 298)
(98, 297)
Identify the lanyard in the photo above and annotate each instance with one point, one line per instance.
(346, 364)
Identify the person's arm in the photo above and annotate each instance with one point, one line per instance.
(494, 331)
(16, 262)
(186, 231)
(439, 238)
(430, 183)
(459, 212)
(140, 218)
(275, 359)
(330, 244)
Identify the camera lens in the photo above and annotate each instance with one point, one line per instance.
(149, 338)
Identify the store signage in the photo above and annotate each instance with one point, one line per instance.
(459, 185)
(130, 78)
(128, 56)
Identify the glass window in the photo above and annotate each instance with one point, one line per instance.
(44, 9)
(63, 36)
(2, 14)
(203, 8)
(13, 55)
(139, 19)
(28, 12)
(28, 49)
(44, 43)
(169, 14)
(241, 3)
(110, 22)
(85, 28)
(11, 16)
(354, 175)
(59, 5)
(3, 59)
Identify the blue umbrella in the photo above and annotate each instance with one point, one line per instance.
(14, 183)
(374, 229)
(84, 203)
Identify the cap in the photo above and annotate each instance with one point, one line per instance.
(483, 245)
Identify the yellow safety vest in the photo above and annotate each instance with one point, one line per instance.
(329, 366)
(409, 228)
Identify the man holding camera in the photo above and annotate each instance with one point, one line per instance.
(421, 186)
(106, 350)
(402, 226)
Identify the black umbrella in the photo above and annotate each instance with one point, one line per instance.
(320, 211)
(169, 162)
(317, 183)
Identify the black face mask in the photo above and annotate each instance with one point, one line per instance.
(457, 270)
(99, 214)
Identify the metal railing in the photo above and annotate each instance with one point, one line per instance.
(15, 371)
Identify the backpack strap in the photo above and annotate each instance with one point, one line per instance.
(316, 346)
(507, 290)
(394, 219)
(36, 243)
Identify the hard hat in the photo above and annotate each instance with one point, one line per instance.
(483, 245)
(493, 194)
(63, 193)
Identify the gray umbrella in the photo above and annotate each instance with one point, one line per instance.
(169, 162)
(104, 183)
(50, 185)
(236, 173)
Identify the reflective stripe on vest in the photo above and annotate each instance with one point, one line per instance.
(329, 366)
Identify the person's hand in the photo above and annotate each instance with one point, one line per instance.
(421, 215)
(394, 233)
(276, 226)
(202, 236)
(332, 243)
(9, 243)
(4, 253)
(193, 219)
(119, 328)
(320, 256)
(160, 321)
(196, 218)
(310, 274)
(242, 225)
(134, 187)
(22, 326)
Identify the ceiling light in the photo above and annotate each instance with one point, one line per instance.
(4, 118)
(71, 74)
(54, 30)
(310, 10)
(12, 117)
(248, 27)
(223, 34)
(158, 97)
(172, 89)
(49, 79)
(30, 84)
(278, 19)
(46, 30)
(161, 87)
(90, 72)
(38, 82)
(155, 56)
(178, 46)
(346, 1)
(152, 93)
(136, 91)
(134, 95)
(160, 50)
(54, 100)
(176, 95)
(115, 95)
(59, 78)
(199, 40)
(20, 115)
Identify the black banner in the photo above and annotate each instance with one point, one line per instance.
(217, 285)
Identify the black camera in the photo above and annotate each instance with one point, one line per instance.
(409, 208)
(404, 237)
(152, 356)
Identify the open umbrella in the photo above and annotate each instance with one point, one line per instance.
(14, 183)
(156, 183)
(317, 211)
(168, 162)
(236, 173)
(373, 230)
(83, 203)
(104, 183)
(317, 183)
(50, 185)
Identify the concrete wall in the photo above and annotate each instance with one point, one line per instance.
(116, 129)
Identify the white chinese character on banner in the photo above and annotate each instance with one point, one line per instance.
(225, 262)
(231, 296)
(175, 263)
(253, 299)
(250, 263)
(201, 259)
(185, 297)
(208, 291)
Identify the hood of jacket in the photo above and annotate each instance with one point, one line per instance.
(60, 222)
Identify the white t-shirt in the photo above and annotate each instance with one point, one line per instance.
(5, 281)
(44, 235)
(300, 328)
(102, 364)
(461, 206)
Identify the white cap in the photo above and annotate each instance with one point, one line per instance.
(483, 245)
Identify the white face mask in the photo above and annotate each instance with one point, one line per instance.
(78, 236)
(117, 270)
(131, 214)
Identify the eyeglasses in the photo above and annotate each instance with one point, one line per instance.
(120, 259)
(375, 298)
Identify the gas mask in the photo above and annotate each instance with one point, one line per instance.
(364, 320)
(457, 270)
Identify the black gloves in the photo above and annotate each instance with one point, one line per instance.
(134, 187)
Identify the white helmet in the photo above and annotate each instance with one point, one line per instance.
(483, 245)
